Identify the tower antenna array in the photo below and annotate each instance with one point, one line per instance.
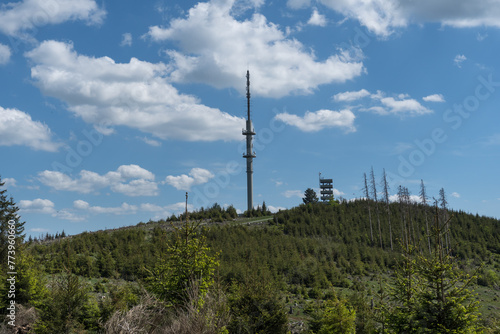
(249, 155)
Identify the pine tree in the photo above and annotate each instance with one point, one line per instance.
(8, 213)
(310, 196)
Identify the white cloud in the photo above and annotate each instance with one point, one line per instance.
(149, 141)
(275, 209)
(124, 209)
(413, 198)
(379, 16)
(459, 59)
(455, 194)
(382, 17)
(337, 193)
(196, 176)
(434, 98)
(317, 19)
(316, 121)
(126, 39)
(81, 205)
(135, 171)
(5, 54)
(19, 17)
(37, 205)
(293, 193)
(351, 96)
(128, 209)
(9, 182)
(136, 188)
(142, 183)
(135, 94)
(217, 49)
(402, 105)
(17, 128)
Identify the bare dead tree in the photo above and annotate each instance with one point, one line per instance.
(385, 187)
(443, 203)
(411, 225)
(367, 196)
(423, 199)
(402, 210)
(374, 193)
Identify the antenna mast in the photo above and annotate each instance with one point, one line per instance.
(249, 155)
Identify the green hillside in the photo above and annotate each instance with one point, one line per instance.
(301, 262)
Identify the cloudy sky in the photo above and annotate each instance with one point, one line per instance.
(111, 111)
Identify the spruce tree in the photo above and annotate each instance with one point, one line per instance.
(310, 196)
(8, 213)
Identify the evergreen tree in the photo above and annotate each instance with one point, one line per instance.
(334, 316)
(431, 293)
(8, 213)
(188, 260)
(310, 196)
(69, 308)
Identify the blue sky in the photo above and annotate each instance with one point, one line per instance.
(111, 111)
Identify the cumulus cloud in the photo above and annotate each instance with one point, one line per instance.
(37, 205)
(196, 176)
(17, 128)
(317, 19)
(119, 181)
(135, 94)
(402, 105)
(319, 120)
(455, 194)
(18, 17)
(434, 98)
(382, 104)
(351, 96)
(5, 54)
(383, 17)
(216, 49)
(46, 206)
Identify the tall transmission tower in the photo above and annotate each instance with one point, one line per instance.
(249, 155)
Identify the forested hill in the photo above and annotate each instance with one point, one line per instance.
(305, 270)
(311, 245)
